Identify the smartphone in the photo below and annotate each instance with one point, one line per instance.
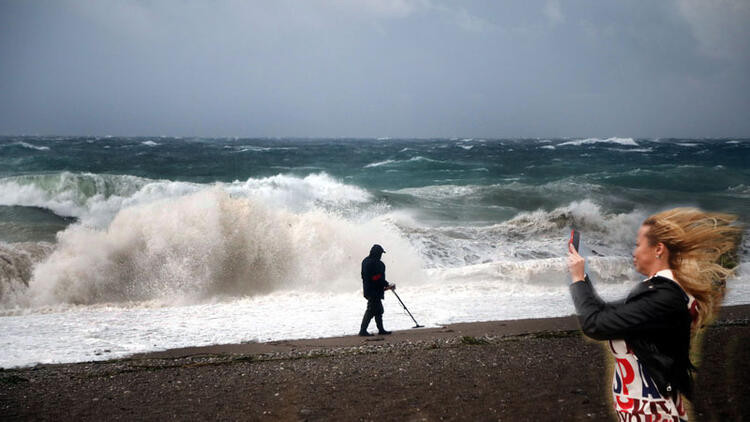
(575, 238)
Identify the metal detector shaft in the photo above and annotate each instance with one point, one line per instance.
(407, 310)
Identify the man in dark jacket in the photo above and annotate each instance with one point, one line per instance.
(374, 285)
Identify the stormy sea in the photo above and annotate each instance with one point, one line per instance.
(111, 246)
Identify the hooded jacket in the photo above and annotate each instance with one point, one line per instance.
(373, 276)
(654, 321)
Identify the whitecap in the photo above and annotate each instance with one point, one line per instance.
(643, 150)
(31, 146)
(613, 140)
(380, 163)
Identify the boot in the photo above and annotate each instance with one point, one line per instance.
(365, 323)
(379, 322)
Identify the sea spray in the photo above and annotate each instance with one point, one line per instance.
(17, 261)
(206, 245)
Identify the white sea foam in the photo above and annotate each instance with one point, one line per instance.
(528, 236)
(150, 143)
(448, 191)
(380, 163)
(85, 333)
(205, 246)
(17, 261)
(614, 140)
(437, 192)
(390, 162)
(641, 150)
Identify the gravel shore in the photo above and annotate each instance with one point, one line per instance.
(541, 369)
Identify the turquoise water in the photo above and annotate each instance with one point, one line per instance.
(517, 175)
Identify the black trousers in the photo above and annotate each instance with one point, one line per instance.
(374, 309)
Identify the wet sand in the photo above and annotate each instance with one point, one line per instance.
(537, 369)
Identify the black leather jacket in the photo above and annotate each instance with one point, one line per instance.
(654, 321)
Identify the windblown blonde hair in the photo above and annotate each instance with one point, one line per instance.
(702, 253)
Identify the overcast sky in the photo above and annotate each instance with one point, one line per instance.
(376, 68)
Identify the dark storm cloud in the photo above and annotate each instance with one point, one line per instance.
(375, 68)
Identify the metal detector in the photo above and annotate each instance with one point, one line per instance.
(407, 310)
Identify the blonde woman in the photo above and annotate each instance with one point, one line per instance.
(649, 333)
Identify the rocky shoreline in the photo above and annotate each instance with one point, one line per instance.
(541, 369)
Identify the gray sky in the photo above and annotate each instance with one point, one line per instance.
(371, 68)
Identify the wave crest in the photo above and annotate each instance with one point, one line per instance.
(96, 198)
(613, 140)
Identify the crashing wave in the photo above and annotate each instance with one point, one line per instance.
(207, 245)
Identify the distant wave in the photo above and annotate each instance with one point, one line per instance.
(150, 143)
(620, 141)
(644, 150)
(739, 189)
(27, 145)
(380, 163)
(254, 148)
(448, 191)
(413, 159)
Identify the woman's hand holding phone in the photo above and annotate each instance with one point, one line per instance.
(576, 263)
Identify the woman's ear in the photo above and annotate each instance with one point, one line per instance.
(661, 248)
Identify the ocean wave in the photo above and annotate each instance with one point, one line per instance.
(255, 148)
(418, 158)
(563, 187)
(543, 272)
(27, 145)
(17, 261)
(613, 140)
(380, 163)
(301, 194)
(96, 198)
(205, 246)
(150, 143)
(531, 235)
(642, 150)
(739, 189)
